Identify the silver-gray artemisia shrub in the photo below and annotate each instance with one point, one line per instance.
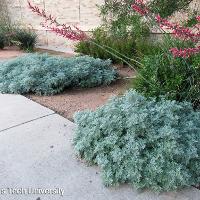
(47, 75)
(149, 144)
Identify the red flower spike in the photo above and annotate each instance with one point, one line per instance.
(62, 29)
(140, 7)
(177, 30)
(184, 53)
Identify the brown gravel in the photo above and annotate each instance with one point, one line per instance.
(73, 100)
(10, 52)
(13, 52)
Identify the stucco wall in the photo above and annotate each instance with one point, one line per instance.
(83, 13)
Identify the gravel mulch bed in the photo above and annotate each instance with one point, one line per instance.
(10, 52)
(73, 100)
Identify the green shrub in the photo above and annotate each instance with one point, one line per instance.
(2, 40)
(25, 39)
(119, 17)
(147, 47)
(158, 44)
(149, 144)
(125, 46)
(167, 8)
(48, 75)
(175, 78)
(5, 30)
(14, 35)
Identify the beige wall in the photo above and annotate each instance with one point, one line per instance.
(82, 13)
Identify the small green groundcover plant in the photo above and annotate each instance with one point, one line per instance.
(140, 141)
(47, 75)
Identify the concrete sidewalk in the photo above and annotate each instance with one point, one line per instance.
(36, 152)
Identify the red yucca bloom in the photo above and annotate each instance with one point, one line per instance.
(140, 7)
(62, 29)
(182, 33)
(184, 53)
(177, 30)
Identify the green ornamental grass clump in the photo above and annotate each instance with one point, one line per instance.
(25, 39)
(138, 140)
(2, 40)
(175, 78)
(47, 75)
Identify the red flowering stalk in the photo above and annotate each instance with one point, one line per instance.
(140, 7)
(186, 52)
(75, 33)
(177, 30)
(183, 33)
(62, 29)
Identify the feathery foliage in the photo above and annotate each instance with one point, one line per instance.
(47, 75)
(136, 140)
(175, 78)
(25, 39)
